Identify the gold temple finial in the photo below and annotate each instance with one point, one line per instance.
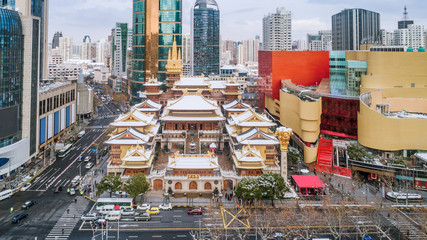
(174, 50)
(284, 135)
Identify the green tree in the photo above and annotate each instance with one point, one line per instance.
(359, 153)
(248, 188)
(136, 184)
(109, 183)
(272, 186)
(294, 156)
(268, 186)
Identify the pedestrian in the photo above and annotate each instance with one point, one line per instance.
(75, 200)
(68, 210)
(11, 209)
(74, 216)
(62, 231)
(68, 190)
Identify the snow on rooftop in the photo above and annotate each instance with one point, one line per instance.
(192, 102)
(193, 161)
(53, 86)
(192, 81)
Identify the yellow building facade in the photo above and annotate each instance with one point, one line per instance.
(393, 119)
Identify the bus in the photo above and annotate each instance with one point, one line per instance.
(121, 202)
(63, 152)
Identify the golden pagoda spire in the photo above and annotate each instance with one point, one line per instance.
(174, 50)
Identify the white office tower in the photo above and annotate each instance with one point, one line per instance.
(66, 47)
(186, 48)
(277, 31)
(101, 51)
(387, 38)
(86, 48)
(412, 37)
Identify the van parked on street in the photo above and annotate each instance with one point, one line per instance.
(106, 209)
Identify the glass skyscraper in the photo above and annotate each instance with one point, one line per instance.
(11, 77)
(205, 28)
(156, 23)
(352, 27)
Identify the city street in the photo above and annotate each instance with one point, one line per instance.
(49, 206)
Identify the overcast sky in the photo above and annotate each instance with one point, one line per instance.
(240, 19)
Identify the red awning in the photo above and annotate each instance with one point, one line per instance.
(308, 181)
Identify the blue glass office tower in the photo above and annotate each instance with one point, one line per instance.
(11, 76)
(205, 28)
(156, 23)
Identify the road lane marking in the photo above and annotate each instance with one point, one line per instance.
(157, 236)
(57, 183)
(133, 236)
(181, 236)
(75, 160)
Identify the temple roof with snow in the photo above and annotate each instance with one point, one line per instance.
(248, 158)
(137, 157)
(134, 118)
(130, 136)
(237, 105)
(254, 136)
(250, 118)
(148, 106)
(192, 106)
(193, 161)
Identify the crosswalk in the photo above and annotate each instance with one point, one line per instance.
(68, 221)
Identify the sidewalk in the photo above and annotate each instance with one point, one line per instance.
(94, 176)
(25, 174)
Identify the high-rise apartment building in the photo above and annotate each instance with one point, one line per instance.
(248, 51)
(66, 47)
(86, 48)
(205, 33)
(353, 27)
(101, 51)
(156, 23)
(387, 38)
(55, 40)
(277, 31)
(320, 42)
(121, 42)
(186, 48)
(413, 36)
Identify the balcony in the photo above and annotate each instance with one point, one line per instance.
(270, 151)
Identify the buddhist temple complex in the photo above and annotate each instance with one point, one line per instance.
(209, 136)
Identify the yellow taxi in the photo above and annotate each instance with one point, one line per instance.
(153, 210)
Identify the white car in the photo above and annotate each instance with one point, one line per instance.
(26, 187)
(89, 165)
(165, 206)
(89, 217)
(127, 212)
(143, 207)
(88, 158)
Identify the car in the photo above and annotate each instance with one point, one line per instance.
(89, 165)
(19, 217)
(88, 158)
(127, 212)
(195, 211)
(143, 207)
(72, 191)
(26, 187)
(57, 189)
(143, 217)
(165, 206)
(89, 217)
(101, 222)
(153, 210)
(27, 205)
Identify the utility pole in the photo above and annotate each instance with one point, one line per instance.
(118, 229)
